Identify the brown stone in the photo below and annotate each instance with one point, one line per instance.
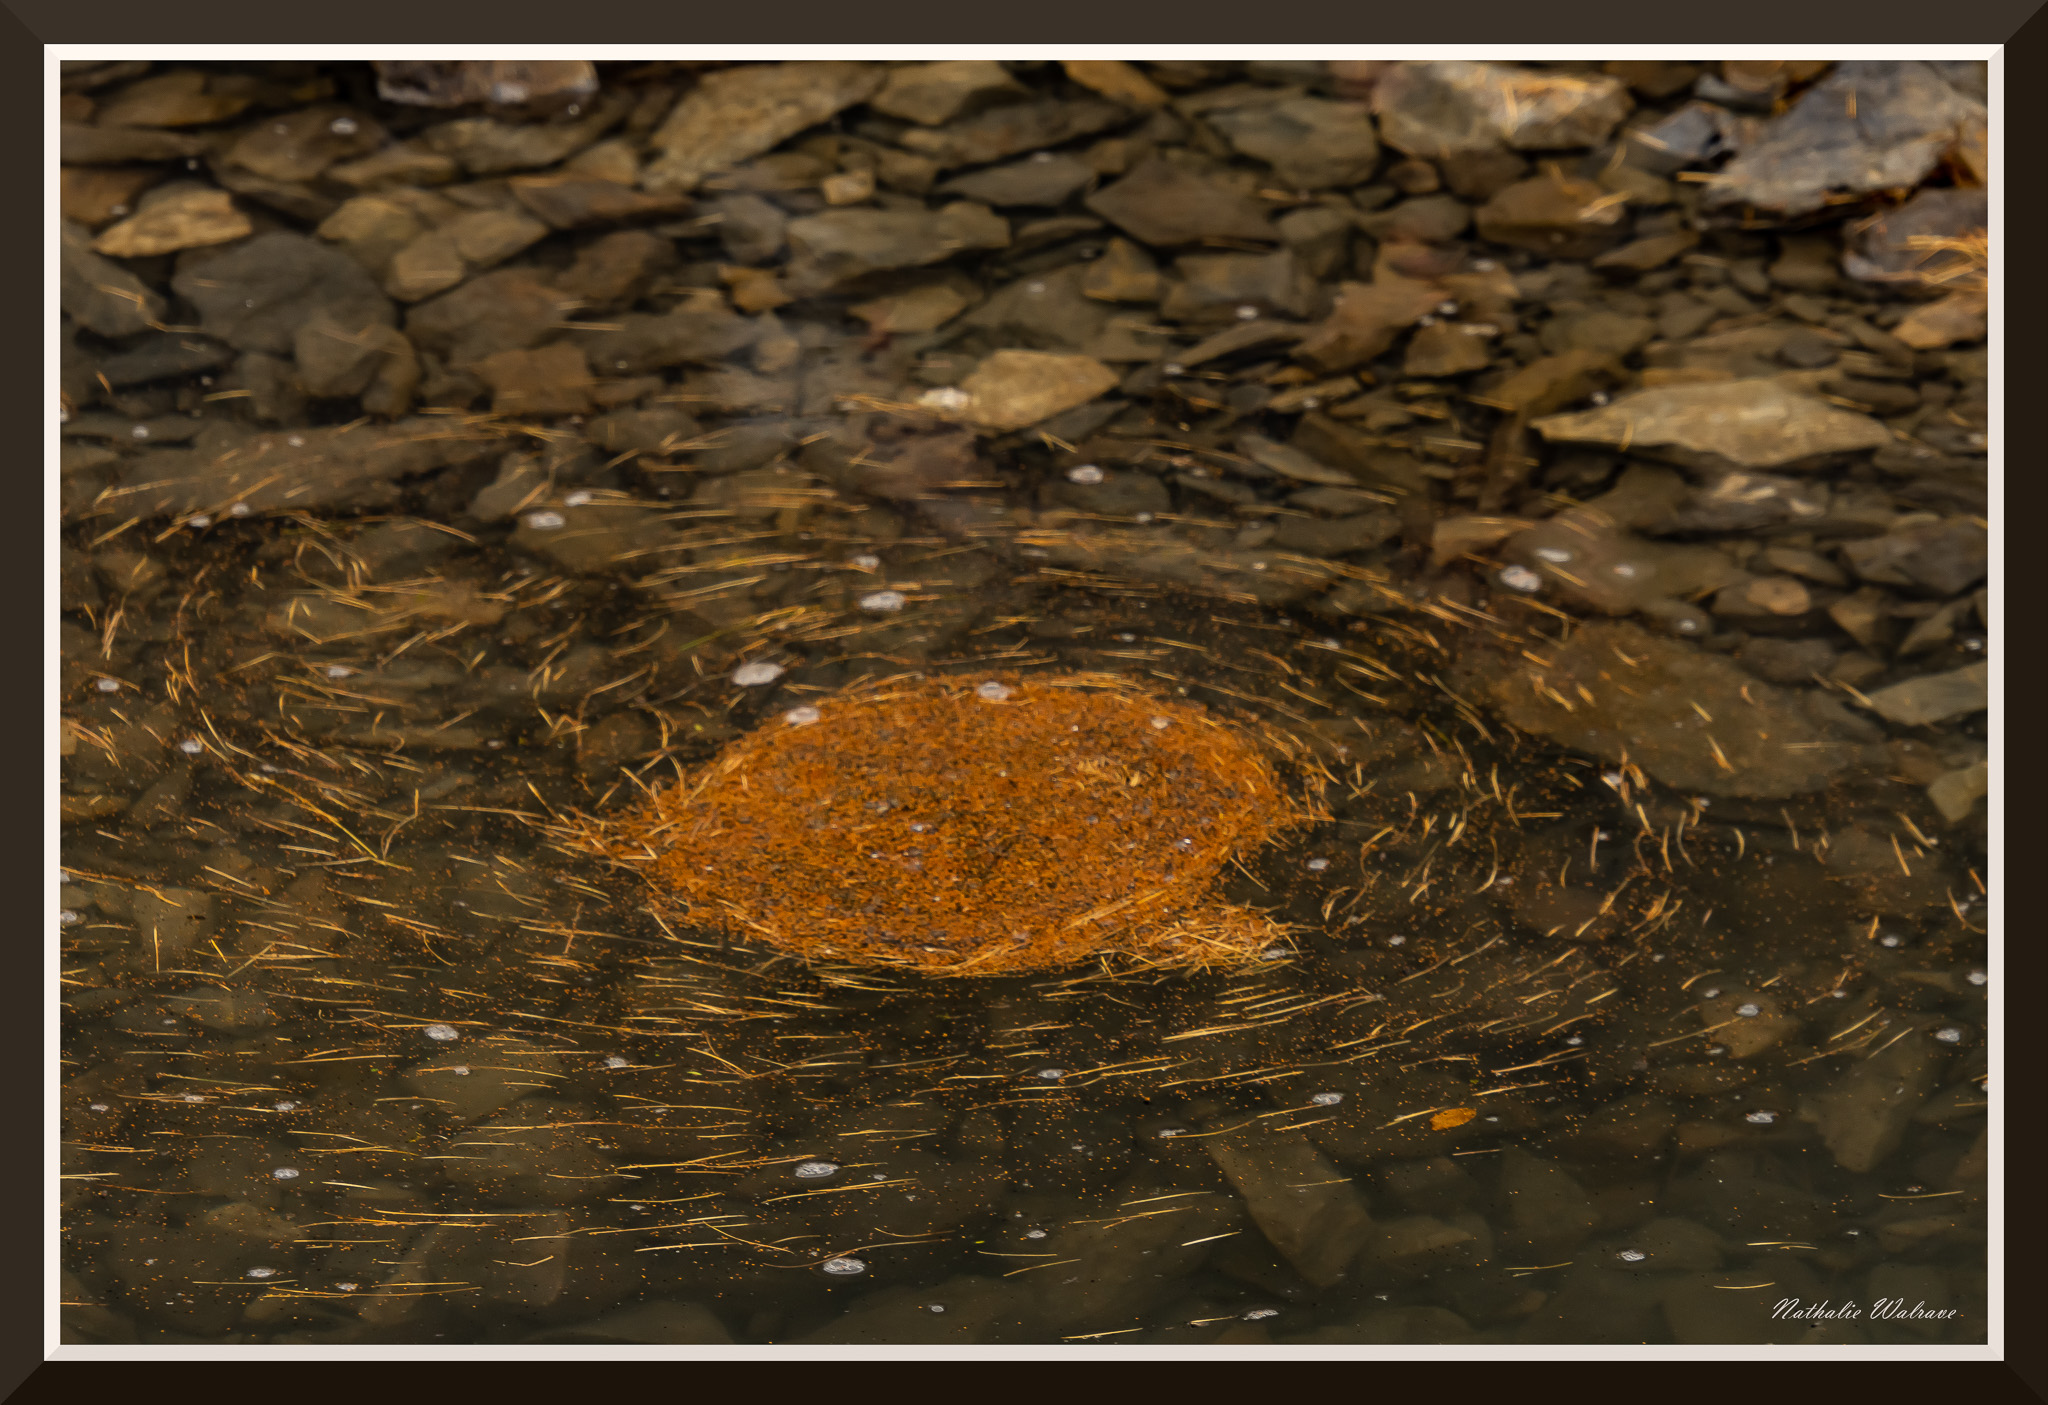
(1117, 81)
(1959, 317)
(184, 219)
(1124, 273)
(1446, 349)
(97, 195)
(184, 97)
(1012, 389)
(735, 114)
(1164, 204)
(932, 93)
(568, 201)
(549, 380)
(1719, 424)
(1556, 215)
(504, 82)
(428, 265)
(299, 146)
(1365, 322)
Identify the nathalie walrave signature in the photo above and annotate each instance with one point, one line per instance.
(1883, 1310)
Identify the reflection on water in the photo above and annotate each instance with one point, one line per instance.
(362, 1048)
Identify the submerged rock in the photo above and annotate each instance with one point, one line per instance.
(1595, 564)
(1696, 721)
(735, 114)
(1012, 389)
(1012, 129)
(1044, 179)
(830, 250)
(506, 82)
(1918, 241)
(1868, 126)
(1559, 216)
(1865, 1114)
(174, 219)
(934, 93)
(1724, 424)
(100, 294)
(1935, 697)
(1315, 1217)
(1311, 143)
(1365, 322)
(1160, 203)
(255, 296)
(350, 466)
(1444, 108)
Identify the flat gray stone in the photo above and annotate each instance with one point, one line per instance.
(1865, 127)
(256, 295)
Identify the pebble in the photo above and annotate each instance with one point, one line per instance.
(756, 675)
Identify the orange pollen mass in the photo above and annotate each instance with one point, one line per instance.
(976, 827)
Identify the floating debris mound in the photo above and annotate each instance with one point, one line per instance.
(976, 828)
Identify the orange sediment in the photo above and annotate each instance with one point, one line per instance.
(975, 826)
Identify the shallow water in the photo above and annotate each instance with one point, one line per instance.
(356, 1054)
(1625, 995)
